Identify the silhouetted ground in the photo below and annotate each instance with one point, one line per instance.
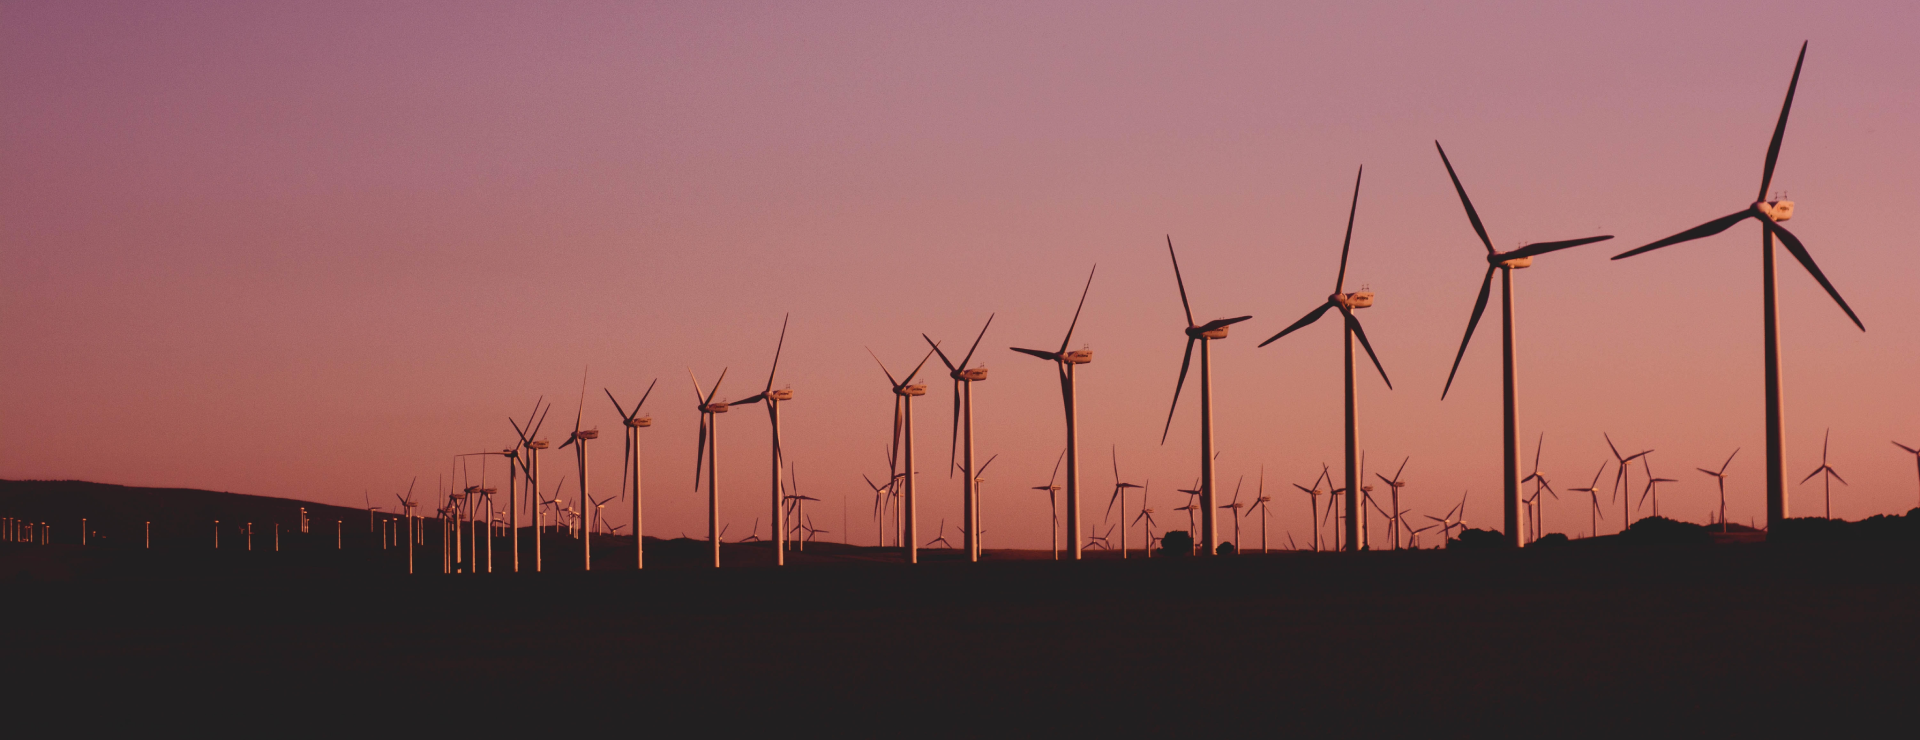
(1582, 640)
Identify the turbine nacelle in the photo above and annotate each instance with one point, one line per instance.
(1201, 332)
(538, 444)
(586, 434)
(1078, 357)
(642, 421)
(1359, 299)
(716, 407)
(917, 389)
(971, 374)
(1775, 210)
(784, 394)
(1500, 259)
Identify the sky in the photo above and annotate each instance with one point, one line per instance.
(315, 250)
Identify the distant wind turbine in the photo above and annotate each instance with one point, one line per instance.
(579, 441)
(1653, 485)
(1053, 506)
(1119, 497)
(1202, 334)
(904, 391)
(1830, 475)
(1911, 451)
(1621, 481)
(709, 453)
(1720, 478)
(1593, 490)
(630, 463)
(963, 380)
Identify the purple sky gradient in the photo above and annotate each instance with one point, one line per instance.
(316, 249)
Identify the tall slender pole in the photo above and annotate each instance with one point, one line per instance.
(910, 526)
(513, 513)
(587, 511)
(1208, 524)
(713, 485)
(779, 509)
(640, 539)
(1352, 508)
(971, 534)
(1510, 440)
(1776, 435)
(1073, 463)
(533, 499)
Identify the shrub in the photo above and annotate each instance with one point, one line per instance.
(1478, 539)
(1176, 544)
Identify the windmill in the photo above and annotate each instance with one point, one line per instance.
(709, 451)
(1593, 490)
(1504, 263)
(1053, 505)
(1653, 485)
(1260, 502)
(1540, 483)
(1720, 477)
(1769, 213)
(1620, 480)
(578, 441)
(1146, 514)
(942, 538)
(796, 502)
(1911, 451)
(1830, 475)
(1395, 484)
(367, 496)
(1192, 508)
(963, 379)
(1119, 497)
(530, 465)
(1313, 496)
(1064, 363)
(1347, 303)
(904, 391)
(629, 463)
(406, 509)
(1203, 334)
(773, 399)
(979, 523)
(1236, 506)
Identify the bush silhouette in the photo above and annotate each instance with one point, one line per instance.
(1659, 530)
(1555, 539)
(1478, 539)
(1176, 544)
(1225, 548)
(1877, 528)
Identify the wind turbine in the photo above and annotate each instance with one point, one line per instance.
(1540, 483)
(979, 523)
(1396, 483)
(773, 399)
(1204, 334)
(1504, 263)
(1064, 363)
(1620, 481)
(630, 459)
(1720, 477)
(1146, 513)
(710, 452)
(904, 391)
(1260, 501)
(1119, 497)
(1769, 213)
(406, 509)
(1347, 303)
(1828, 472)
(942, 538)
(1313, 495)
(1593, 489)
(1236, 506)
(1911, 451)
(963, 380)
(1653, 485)
(578, 440)
(531, 466)
(1053, 506)
(1193, 506)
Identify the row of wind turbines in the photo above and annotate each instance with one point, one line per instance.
(901, 482)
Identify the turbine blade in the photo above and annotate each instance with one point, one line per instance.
(883, 368)
(953, 455)
(983, 332)
(1311, 317)
(1368, 346)
(1217, 323)
(1076, 310)
(700, 456)
(923, 363)
(1184, 362)
(1472, 215)
(1340, 281)
(1545, 247)
(1703, 230)
(643, 397)
(1723, 466)
(1040, 353)
(1799, 251)
(936, 350)
(1479, 307)
(776, 351)
(1180, 282)
(1780, 129)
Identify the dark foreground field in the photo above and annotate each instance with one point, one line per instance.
(1574, 640)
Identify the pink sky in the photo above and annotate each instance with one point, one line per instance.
(315, 249)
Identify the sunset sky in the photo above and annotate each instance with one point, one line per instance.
(315, 249)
